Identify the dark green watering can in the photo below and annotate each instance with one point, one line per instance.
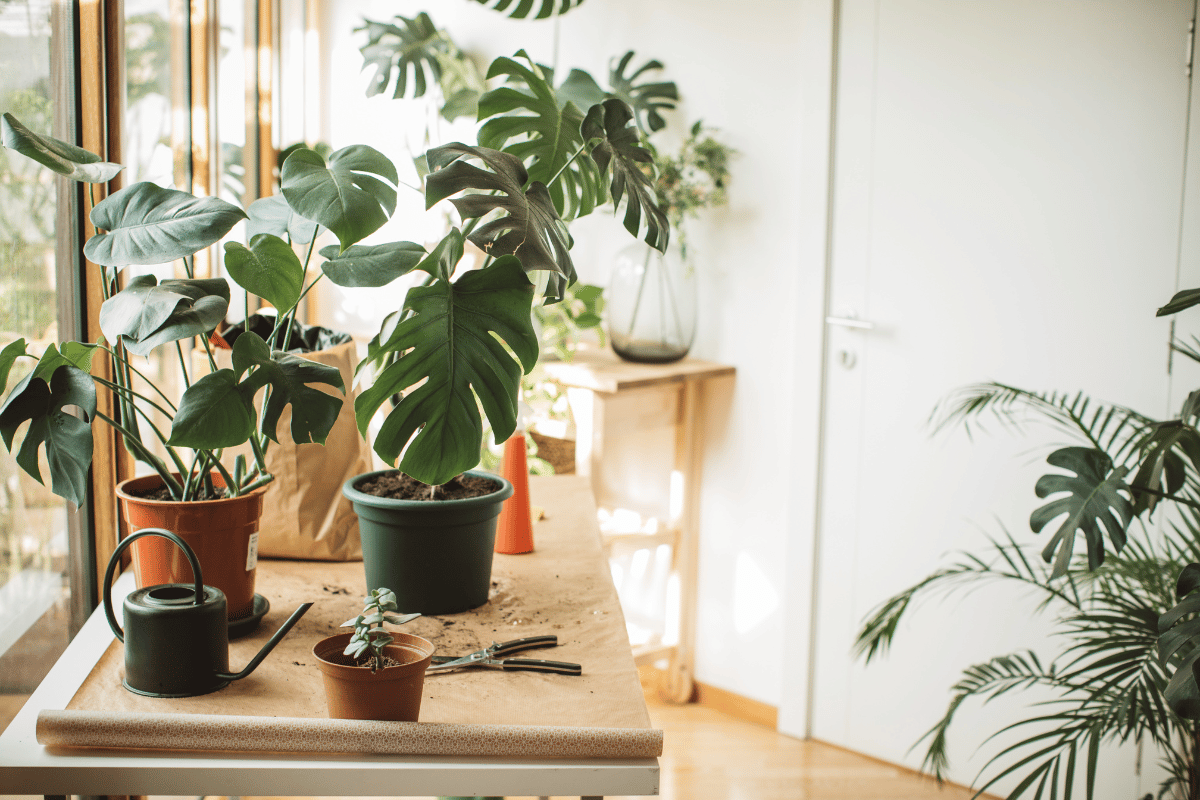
(177, 634)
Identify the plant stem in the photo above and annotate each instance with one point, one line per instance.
(129, 365)
(187, 382)
(147, 457)
(570, 160)
(116, 387)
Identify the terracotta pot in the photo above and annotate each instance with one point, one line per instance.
(392, 693)
(222, 533)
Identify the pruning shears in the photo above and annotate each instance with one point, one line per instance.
(498, 655)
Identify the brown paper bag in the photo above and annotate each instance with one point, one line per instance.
(304, 513)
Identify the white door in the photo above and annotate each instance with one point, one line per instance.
(1006, 206)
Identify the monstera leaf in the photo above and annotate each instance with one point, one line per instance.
(646, 99)
(41, 399)
(449, 346)
(619, 149)
(371, 266)
(8, 356)
(1162, 468)
(346, 194)
(408, 45)
(146, 313)
(146, 224)
(1179, 645)
(273, 215)
(1093, 501)
(539, 9)
(531, 229)
(313, 411)
(65, 159)
(215, 411)
(268, 268)
(543, 133)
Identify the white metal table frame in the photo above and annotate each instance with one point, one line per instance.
(28, 768)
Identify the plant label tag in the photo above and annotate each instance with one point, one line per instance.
(252, 552)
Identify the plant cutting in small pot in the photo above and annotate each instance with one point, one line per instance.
(145, 224)
(371, 673)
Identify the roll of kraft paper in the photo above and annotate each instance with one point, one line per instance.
(294, 735)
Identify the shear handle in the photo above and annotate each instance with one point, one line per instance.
(538, 665)
(501, 649)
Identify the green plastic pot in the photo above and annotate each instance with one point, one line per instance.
(435, 555)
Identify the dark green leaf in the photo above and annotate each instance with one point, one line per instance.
(1093, 500)
(1182, 300)
(345, 195)
(646, 99)
(8, 357)
(146, 314)
(313, 411)
(214, 412)
(520, 9)
(75, 354)
(65, 159)
(405, 46)
(1188, 581)
(371, 265)
(1159, 461)
(268, 268)
(453, 346)
(147, 224)
(273, 215)
(620, 150)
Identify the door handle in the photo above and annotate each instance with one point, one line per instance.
(850, 322)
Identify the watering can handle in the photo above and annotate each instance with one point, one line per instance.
(116, 559)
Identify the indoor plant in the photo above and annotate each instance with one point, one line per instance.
(373, 674)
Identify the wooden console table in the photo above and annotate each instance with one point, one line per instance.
(611, 398)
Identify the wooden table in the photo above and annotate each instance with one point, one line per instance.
(84, 675)
(613, 399)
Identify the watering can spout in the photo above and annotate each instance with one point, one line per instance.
(268, 647)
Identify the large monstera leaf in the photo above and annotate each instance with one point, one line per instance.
(541, 128)
(407, 46)
(353, 194)
(268, 268)
(1179, 645)
(531, 228)
(313, 411)
(146, 313)
(273, 215)
(538, 9)
(646, 98)
(619, 150)
(1093, 501)
(41, 398)
(453, 346)
(1162, 467)
(65, 159)
(147, 224)
(371, 265)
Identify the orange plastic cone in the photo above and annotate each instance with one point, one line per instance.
(514, 531)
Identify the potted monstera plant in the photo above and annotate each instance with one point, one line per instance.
(189, 491)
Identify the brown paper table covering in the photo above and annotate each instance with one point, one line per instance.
(562, 588)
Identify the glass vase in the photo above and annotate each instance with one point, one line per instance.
(651, 304)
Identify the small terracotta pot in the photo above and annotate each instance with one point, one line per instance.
(222, 533)
(392, 693)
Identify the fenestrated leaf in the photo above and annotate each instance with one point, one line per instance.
(1093, 500)
(371, 265)
(1162, 467)
(268, 268)
(65, 159)
(273, 215)
(541, 128)
(620, 149)
(146, 314)
(407, 46)
(8, 356)
(67, 438)
(646, 99)
(1180, 643)
(147, 224)
(531, 229)
(1182, 300)
(452, 342)
(313, 411)
(344, 195)
(540, 9)
(581, 89)
(214, 412)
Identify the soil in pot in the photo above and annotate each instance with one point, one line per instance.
(399, 486)
(392, 693)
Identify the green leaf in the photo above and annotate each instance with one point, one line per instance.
(313, 411)
(147, 224)
(346, 195)
(75, 354)
(8, 357)
(1160, 461)
(268, 268)
(1182, 300)
(646, 99)
(453, 346)
(531, 229)
(407, 46)
(146, 314)
(543, 133)
(214, 412)
(273, 215)
(65, 159)
(371, 265)
(1093, 501)
(68, 439)
(520, 9)
(581, 89)
(620, 149)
